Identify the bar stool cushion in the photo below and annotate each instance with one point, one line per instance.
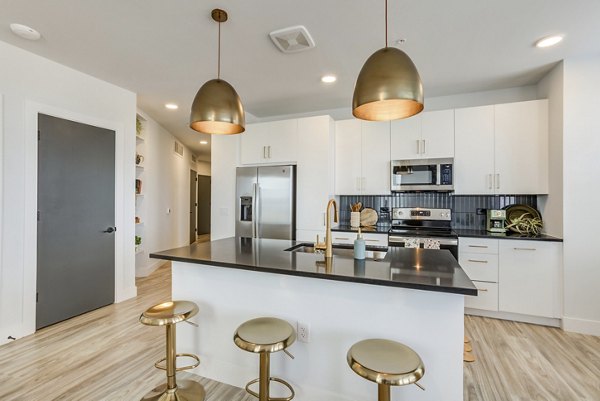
(169, 313)
(264, 334)
(385, 362)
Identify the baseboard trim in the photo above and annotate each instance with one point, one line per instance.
(517, 317)
(581, 326)
(146, 270)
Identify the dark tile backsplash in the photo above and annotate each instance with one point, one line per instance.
(464, 208)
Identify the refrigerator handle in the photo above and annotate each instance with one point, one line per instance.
(254, 209)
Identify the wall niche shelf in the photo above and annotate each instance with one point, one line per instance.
(140, 148)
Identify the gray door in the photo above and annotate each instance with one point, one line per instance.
(193, 205)
(76, 217)
(276, 202)
(203, 204)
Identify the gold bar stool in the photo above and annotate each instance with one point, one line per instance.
(169, 314)
(387, 363)
(265, 335)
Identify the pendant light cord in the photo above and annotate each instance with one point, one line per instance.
(219, 54)
(386, 23)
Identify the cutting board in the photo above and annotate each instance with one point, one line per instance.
(368, 217)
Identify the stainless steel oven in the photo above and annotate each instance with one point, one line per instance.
(421, 226)
(422, 175)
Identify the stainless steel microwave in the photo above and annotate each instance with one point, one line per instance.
(423, 175)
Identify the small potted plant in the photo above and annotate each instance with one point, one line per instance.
(138, 243)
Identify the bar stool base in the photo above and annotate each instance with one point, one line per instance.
(187, 390)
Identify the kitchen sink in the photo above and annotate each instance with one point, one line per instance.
(346, 251)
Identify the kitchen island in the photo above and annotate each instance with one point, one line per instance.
(414, 296)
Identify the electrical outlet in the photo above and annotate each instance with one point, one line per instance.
(481, 211)
(303, 332)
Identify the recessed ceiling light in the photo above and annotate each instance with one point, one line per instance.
(203, 142)
(25, 32)
(549, 41)
(328, 79)
(171, 106)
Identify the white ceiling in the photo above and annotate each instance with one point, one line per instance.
(165, 50)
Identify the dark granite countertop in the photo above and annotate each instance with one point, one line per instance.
(378, 229)
(421, 269)
(508, 235)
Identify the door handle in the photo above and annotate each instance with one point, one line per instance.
(490, 185)
(497, 180)
(423, 151)
(418, 146)
(110, 230)
(269, 152)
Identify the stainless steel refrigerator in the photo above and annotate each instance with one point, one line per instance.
(266, 202)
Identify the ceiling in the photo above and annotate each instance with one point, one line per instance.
(165, 50)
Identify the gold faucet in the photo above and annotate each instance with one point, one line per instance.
(328, 242)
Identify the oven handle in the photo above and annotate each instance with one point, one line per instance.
(443, 241)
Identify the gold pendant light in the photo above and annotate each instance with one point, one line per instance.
(389, 86)
(217, 108)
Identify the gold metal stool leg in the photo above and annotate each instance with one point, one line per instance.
(187, 390)
(383, 392)
(263, 376)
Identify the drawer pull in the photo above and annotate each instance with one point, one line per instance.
(371, 240)
(478, 246)
(482, 289)
(524, 249)
(343, 239)
(477, 261)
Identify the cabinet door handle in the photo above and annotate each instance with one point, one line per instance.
(362, 183)
(342, 239)
(478, 246)
(418, 146)
(269, 151)
(477, 261)
(497, 180)
(490, 179)
(264, 152)
(358, 183)
(424, 149)
(482, 289)
(525, 249)
(371, 240)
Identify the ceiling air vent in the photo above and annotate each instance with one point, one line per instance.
(293, 39)
(178, 148)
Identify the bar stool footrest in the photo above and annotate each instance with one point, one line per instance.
(158, 365)
(275, 379)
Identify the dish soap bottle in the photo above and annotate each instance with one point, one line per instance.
(359, 246)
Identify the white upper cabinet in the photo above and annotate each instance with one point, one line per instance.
(427, 135)
(315, 173)
(348, 152)
(375, 178)
(437, 131)
(271, 142)
(521, 151)
(502, 149)
(362, 159)
(406, 138)
(473, 160)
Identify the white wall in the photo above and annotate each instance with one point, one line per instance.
(509, 95)
(203, 168)
(166, 186)
(32, 84)
(551, 205)
(225, 155)
(581, 153)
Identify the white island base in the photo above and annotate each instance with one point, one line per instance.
(339, 314)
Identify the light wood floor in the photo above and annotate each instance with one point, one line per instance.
(106, 355)
(519, 361)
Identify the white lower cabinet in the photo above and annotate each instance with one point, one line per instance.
(479, 259)
(486, 299)
(514, 276)
(529, 276)
(371, 239)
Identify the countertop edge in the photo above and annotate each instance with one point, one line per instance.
(447, 290)
(545, 238)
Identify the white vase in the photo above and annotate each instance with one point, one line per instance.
(354, 219)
